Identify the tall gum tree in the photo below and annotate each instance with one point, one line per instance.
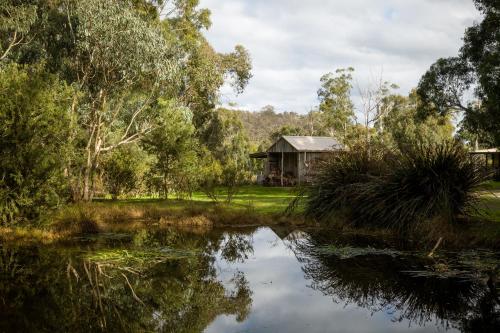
(121, 57)
(336, 106)
(204, 69)
(122, 64)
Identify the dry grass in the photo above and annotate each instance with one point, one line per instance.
(105, 215)
(28, 235)
(77, 219)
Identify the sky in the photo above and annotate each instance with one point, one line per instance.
(294, 42)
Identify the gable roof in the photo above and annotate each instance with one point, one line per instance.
(312, 143)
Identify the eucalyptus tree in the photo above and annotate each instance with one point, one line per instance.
(121, 65)
(336, 106)
(16, 21)
(171, 143)
(124, 63)
(403, 128)
(204, 70)
(469, 84)
(373, 112)
(122, 57)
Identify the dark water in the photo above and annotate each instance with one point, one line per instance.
(243, 280)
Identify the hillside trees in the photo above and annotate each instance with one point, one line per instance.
(286, 130)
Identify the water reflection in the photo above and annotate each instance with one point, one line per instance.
(408, 287)
(244, 280)
(61, 289)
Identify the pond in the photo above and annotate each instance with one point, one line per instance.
(243, 280)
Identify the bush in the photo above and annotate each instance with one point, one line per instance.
(397, 191)
(77, 219)
(34, 131)
(338, 179)
(123, 169)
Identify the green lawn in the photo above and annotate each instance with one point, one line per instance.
(260, 199)
(490, 200)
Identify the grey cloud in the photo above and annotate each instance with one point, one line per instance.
(294, 42)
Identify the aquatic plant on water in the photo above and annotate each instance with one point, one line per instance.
(137, 260)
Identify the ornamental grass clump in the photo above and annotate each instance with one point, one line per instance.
(339, 179)
(397, 191)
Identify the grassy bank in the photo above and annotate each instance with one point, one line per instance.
(252, 206)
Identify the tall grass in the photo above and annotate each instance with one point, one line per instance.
(397, 191)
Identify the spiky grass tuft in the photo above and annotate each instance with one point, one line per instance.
(397, 191)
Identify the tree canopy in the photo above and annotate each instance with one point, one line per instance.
(451, 82)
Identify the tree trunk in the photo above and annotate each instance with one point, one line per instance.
(86, 179)
(88, 174)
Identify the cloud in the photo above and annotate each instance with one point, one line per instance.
(294, 42)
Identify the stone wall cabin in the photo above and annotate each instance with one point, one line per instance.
(291, 159)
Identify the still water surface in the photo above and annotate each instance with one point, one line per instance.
(243, 280)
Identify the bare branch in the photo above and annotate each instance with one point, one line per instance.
(12, 43)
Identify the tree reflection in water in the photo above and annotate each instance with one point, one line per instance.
(59, 289)
(405, 286)
(169, 280)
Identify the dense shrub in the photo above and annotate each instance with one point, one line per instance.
(34, 131)
(396, 191)
(123, 169)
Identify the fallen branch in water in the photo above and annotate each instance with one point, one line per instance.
(431, 254)
(132, 290)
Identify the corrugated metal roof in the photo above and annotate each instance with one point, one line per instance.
(485, 151)
(313, 143)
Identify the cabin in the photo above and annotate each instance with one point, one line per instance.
(291, 160)
(491, 159)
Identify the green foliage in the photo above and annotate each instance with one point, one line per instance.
(127, 64)
(233, 154)
(286, 130)
(210, 174)
(116, 48)
(443, 85)
(446, 85)
(123, 170)
(397, 191)
(205, 70)
(34, 126)
(401, 127)
(336, 107)
(16, 20)
(174, 146)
